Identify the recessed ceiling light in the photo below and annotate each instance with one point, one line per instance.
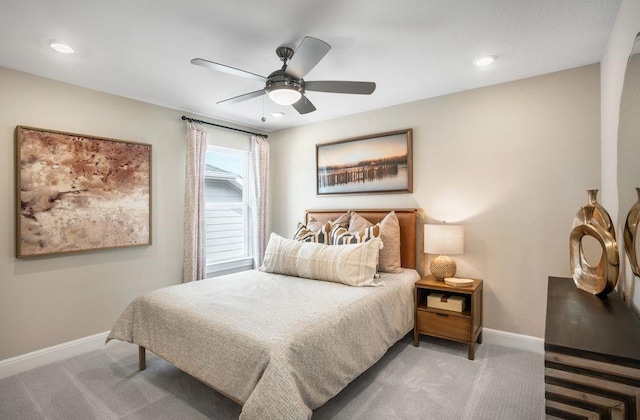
(484, 61)
(65, 49)
(277, 114)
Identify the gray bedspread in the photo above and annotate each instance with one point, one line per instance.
(281, 346)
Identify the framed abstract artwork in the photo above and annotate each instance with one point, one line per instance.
(79, 193)
(379, 163)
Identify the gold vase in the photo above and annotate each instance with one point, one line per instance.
(629, 234)
(594, 220)
(600, 214)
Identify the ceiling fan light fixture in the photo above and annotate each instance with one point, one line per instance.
(284, 95)
(283, 89)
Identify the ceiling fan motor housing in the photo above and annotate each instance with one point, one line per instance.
(280, 80)
(285, 53)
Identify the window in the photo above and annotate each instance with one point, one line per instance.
(227, 211)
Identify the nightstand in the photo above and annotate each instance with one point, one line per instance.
(464, 327)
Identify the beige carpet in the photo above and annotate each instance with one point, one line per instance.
(433, 381)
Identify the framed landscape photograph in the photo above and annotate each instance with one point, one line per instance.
(80, 193)
(379, 163)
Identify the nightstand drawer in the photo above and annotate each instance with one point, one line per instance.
(443, 325)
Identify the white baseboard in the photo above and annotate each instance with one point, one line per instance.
(25, 362)
(28, 361)
(516, 341)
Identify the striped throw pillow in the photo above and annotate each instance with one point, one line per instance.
(322, 236)
(340, 235)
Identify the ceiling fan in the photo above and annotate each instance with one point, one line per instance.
(286, 86)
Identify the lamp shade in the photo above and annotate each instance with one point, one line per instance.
(443, 239)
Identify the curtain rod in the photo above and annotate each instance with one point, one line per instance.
(223, 126)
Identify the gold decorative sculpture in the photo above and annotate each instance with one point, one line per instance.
(630, 232)
(593, 220)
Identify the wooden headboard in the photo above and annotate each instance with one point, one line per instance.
(411, 228)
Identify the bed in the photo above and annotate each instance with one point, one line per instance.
(279, 345)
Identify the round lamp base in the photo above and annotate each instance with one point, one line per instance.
(442, 267)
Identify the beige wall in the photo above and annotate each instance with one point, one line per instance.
(47, 301)
(511, 162)
(614, 63)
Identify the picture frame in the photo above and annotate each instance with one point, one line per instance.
(77, 193)
(372, 164)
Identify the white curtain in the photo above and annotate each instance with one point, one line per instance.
(195, 259)
(259, 196)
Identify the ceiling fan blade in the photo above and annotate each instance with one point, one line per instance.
(243, 97)
(338, 86)
(309, 53)
(304, 105)
(226, 69)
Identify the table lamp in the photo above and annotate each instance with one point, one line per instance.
(443, 239)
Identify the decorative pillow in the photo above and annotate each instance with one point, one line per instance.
(340, 235)
(342, 220)
(354, 265)
(390, 261)
(322, 236)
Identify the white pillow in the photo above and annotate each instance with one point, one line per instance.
(342, 220)
(354, 265)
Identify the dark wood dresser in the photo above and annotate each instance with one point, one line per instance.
(592, 355)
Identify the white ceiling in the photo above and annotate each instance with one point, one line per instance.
(412, 49)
